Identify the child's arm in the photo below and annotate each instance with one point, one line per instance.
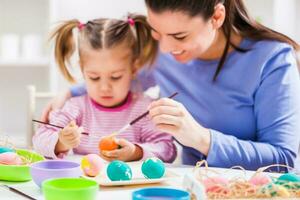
(156, 143)
(49, 141)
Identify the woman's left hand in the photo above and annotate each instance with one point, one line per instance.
(172, 117)
(127, 152)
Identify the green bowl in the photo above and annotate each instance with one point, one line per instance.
(70, 189)
(19, 172)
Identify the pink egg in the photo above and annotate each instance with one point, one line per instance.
(215, 183)
(260, 179)
(91, 165)
(10, 158)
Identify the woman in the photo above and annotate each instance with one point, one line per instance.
(238, 83)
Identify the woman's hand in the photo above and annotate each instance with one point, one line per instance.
(172, 117)
(127, 152)
(56, 103)
(68, 138)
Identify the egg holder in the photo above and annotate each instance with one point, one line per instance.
(261, 184)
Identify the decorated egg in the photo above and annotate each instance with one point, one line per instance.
(6, 149)
(260, 179)
(215, 184)
(10, 158)
(119, 171)
(153, 168)
(108, 144)
(91, 165)
(274, 190)
(291, 177)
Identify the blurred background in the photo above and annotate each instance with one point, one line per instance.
(25, 54)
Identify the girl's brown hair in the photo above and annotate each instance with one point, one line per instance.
(105, 33)
(237, 19)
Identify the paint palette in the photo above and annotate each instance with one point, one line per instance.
(137, 177)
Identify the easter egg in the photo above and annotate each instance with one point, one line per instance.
(10, 158)
(275, 190)
(215, 184)
(91, 165)
(260, 179)
(289, 177)
(153, 168)
(119, 171)
(108, 144)
(6, 149)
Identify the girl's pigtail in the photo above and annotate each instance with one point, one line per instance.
(65, 45)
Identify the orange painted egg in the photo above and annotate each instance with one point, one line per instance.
(108, 144)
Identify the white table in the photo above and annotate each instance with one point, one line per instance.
(112, 193)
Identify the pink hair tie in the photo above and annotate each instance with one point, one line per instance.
(130, 21)
(81, 26)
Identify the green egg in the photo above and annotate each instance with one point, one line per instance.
(119, 171)
(291, 177)
(153, 168)
(6, 149)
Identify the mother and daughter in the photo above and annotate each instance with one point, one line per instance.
(238, 84)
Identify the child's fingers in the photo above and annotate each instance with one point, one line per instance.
(106, 158)
(114, 153)
(72, 124)
(122, 142)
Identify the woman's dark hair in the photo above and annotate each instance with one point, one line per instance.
(237, 19)
(105, 34)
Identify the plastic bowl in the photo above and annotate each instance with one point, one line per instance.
(50, 169)
(160, 193)
(70, 189)
(19, 172)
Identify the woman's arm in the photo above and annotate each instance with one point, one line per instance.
(277, 114)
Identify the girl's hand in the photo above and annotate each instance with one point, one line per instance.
(69, 137)
(127, 152)
(56, 103)
(172, 117)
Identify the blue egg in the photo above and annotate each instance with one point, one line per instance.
(119, 171)
(6, 149)
(291, 177)
(153, 168)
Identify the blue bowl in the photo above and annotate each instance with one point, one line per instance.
(160, 193)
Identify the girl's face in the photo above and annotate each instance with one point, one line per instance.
(108, 74)
(183, 36)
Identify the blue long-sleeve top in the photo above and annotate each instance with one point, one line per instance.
(252, 109)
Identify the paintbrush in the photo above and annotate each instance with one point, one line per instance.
(137, 119)
(19, 192)
(114, 133)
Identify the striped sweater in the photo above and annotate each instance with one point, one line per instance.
(99, 122)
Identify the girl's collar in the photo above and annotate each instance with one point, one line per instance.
(118, 108)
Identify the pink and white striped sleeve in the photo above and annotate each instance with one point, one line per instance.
(155, 143)
(46, 137)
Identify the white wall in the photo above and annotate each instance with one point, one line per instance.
(280, 15)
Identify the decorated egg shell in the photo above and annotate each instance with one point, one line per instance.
(6, 149)
(108, 143)
(119, 171)
(275, 190)
(291, 177)
(260, 179)
(215, 184)
(153, 168)
(91, 165)
(10, 158)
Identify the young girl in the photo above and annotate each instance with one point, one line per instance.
(111, 52)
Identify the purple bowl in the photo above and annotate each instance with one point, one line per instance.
(49, 169)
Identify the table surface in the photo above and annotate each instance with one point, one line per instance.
(117, 192)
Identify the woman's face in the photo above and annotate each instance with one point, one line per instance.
(183, 36)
